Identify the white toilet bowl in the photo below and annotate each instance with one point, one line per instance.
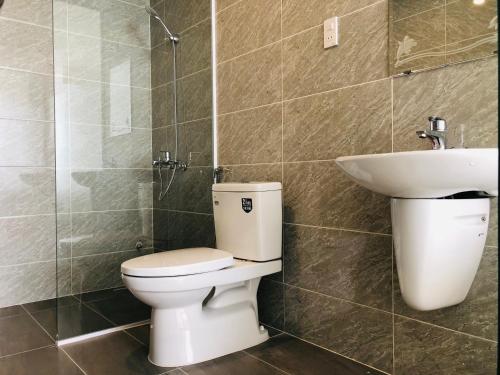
(204, 301)
(186, 326)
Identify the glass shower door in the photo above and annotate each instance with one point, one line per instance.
(104, 178)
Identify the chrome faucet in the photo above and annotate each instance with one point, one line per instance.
(436, 133)
(164, 160)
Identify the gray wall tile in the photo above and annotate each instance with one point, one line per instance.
(357, 332)
(27, 283)
(425, 349)
(360, 57)
(320, 194)
(111, 189)
(26, 96)
(250, 80)
(112, 147)
(27, 239)
(477, 315)
(465, 95)
(270, 299)
(247, 26)
(26, 143)
(119, 106)
(251, 136)
(111, 231)
(353, 266)
(26, 191)
(112, 20)
(328, 125)
(101, 271)
(25, 47)
(38, 12)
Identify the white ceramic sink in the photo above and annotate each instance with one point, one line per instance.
(425, 174)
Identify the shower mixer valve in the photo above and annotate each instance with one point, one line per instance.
(165, 160)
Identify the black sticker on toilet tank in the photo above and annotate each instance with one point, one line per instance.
(246, 204)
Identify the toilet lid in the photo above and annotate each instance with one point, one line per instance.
(178, 262)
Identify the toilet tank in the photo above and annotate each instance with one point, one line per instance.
(248, 219)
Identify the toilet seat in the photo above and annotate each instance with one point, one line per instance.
(178, 263)
(241, 271)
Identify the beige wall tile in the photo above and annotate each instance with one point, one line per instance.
(250, 80)
(248, 25)
(299, 15)
(423, 349)
(360, 57)
(351, 121)
(251, 136)
(318, 193)
(25, 47)
(465, 95)
(405, 8)
(355, 331)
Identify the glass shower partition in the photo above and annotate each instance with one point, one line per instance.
(113, 109)
(103, 159)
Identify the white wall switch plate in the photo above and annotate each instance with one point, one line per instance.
(331, 32)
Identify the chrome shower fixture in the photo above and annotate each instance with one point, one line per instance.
(153, 13)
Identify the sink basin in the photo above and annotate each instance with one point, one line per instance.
(425, 174)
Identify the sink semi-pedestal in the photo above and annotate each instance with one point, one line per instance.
(440, 213)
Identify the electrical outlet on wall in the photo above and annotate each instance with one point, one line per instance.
(331, 32)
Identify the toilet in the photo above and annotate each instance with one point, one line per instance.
(204, 301)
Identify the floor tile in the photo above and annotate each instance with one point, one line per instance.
(116, 353)
(45, 361)
(237, 363)
(141, 333)
(122, 308)
(100, 294)
(20, 333)
(11, 311)
(72, 320)
(298, 357)
(50, 304)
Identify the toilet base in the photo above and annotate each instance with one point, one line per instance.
(227, 323)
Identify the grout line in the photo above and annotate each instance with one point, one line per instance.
(446, 329)
(186, 123)
(248, 52)
(26, 264)
(135, 338)
(68, 33)
(183, 212)
(421, 12)
(337, 89)
(46, 122)
(306, 96)
(249, 109)
(337, 298)
(27, 351)
(25, 22)
(70, 77)
(71, 359)
(38, 323)
(341, 16)
(47, 75)
(228, 6)
(337, 353)
(181, 369)
(109, 253)
(267, 363)
(105, 211)
(339, 229)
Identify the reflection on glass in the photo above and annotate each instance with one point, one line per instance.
(430, 33)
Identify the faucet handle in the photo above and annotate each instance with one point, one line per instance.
(437, 124)
(165, 156)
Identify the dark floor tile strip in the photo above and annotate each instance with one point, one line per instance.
(72, 360)
(446, 328)
(267, 363)
(26, 351)
(38, 324)
(341, 355)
